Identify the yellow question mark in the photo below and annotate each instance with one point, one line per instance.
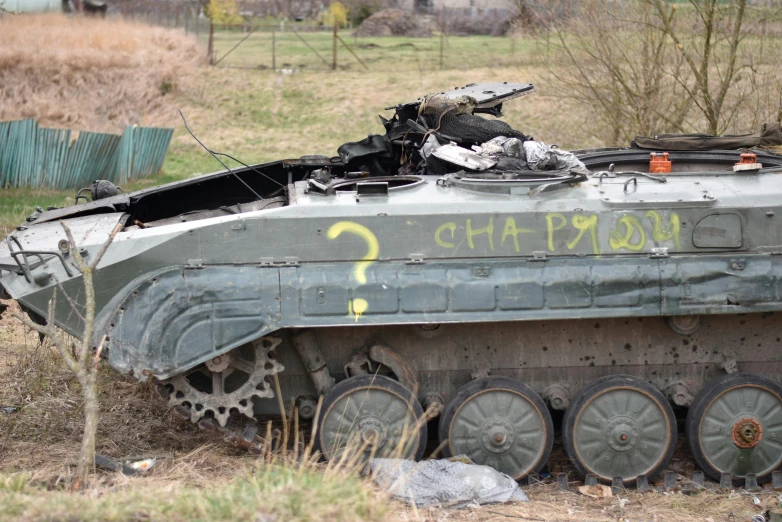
(358, 306)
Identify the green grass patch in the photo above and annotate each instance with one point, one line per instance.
(269, 493)
(17, 204)
(405, 55)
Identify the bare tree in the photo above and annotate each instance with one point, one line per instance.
(298, 8)
(78, 356)
(648, 66)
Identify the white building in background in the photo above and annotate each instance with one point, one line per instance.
(30, 6)
(429, 6)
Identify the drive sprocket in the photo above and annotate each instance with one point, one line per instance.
(228, 382)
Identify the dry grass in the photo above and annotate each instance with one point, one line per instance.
(42, 438)
(547, 504)
(98, 75)
(196, 477)
(199, 477)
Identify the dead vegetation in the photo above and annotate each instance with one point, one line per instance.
(42, 437)
(646, 67)
(393, 22)
(198, 476)
(90, 74)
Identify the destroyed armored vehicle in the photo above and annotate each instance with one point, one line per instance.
(451, 267)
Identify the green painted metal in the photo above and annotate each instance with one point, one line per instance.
(31, 156)
(731, 409)
(621, 432)
(501, 428)
(372, 417)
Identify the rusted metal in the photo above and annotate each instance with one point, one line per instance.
(227, 383)
(314, 362)
(746, 433)
(748, 162)
(387, 357)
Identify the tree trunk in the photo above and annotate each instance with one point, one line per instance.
(89, 388)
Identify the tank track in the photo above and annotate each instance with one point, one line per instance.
(216, 405)
(673, 482)
(244, 435)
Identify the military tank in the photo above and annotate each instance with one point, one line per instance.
(450, 268)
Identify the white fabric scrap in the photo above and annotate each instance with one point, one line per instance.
(456, 482)
(542, 157)
(502, 146)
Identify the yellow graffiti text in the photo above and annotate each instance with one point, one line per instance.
(671, 231)
(373, 247)
(556, 221)
(357, 307)
(553, 228)
(488, 230)
(442, 228)
(512, 231)
(632, 227)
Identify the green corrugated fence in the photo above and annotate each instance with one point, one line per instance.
(34, 157)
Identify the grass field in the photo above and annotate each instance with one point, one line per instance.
(314, 50)
(258, 115)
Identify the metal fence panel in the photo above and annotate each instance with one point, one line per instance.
(34, 157)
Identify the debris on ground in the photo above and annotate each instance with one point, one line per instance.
(393, 22)
(595, 491)
(8, 410)
(456, 482)
(113, 465)
(143, 465)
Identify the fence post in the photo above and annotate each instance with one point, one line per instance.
(210, 46)
(334, 49)
(274, 50)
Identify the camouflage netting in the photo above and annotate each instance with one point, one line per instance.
(455, 119)
(392, 22)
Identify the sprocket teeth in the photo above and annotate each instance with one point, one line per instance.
(201, 402)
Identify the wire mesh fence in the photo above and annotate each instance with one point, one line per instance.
(272, 46)
(264, 41)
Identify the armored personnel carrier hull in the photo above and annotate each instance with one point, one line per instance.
(400, 287)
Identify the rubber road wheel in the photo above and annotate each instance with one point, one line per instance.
(499, 422)
(373, 414)
(734, 426)
(619, 426)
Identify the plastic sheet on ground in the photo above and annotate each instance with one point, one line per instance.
(455, 482)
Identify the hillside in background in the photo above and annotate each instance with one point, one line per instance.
(89, 74)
